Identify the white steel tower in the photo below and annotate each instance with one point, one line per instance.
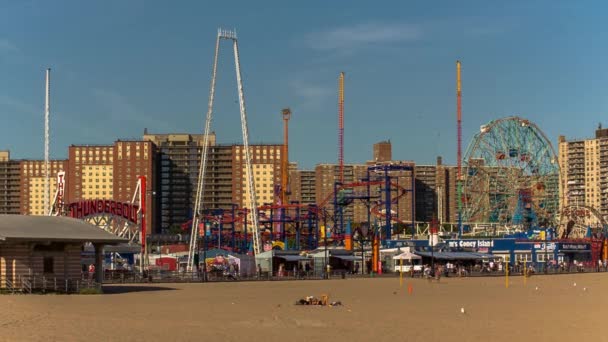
(229, 35)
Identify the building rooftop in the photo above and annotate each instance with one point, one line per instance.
(52, 228)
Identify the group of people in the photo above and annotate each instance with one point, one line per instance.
(299, 270)
(438, 269)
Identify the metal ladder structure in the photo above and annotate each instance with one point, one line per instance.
(228, 35)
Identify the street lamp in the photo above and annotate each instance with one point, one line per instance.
(325, 241)
(546, 255)
(205, 252)
(363, 231)
(433, 232)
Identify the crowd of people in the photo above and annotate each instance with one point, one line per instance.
(463, 269)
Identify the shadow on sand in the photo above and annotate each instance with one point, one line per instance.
(118, 289)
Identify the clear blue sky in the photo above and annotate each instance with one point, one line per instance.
(122, 65)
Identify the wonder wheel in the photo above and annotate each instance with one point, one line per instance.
(511, 176)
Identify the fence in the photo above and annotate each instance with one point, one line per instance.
(41, 284)
(163, 276)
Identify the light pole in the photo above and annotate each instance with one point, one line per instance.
(364, 230)
(325, 241)
(432, 256)
(433, 232)
(205, 251)
(546, 255)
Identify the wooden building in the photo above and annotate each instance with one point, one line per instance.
(49, 248)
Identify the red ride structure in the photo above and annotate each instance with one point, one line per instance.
(291, 226)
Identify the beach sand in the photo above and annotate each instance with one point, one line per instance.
(373, 310)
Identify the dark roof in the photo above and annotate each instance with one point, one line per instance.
(52, 228)
(292, 257)
(280, 252)
(346, 257)
(332, 251)
(454, 255)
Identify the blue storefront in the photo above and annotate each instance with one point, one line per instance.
(514, 250)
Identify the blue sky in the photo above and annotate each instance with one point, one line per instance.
(120, 66)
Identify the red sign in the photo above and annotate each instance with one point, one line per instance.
(58, 204)
(60, 187)
(83, 209)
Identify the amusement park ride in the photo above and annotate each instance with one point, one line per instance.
(227, 35)
(507, 182)
(512, 176)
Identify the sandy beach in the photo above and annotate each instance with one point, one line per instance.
(548, 308)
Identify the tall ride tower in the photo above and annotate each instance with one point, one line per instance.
(341, 125)
(459, 156)
(231, 36)
(285, 159)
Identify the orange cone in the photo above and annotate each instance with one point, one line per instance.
(410, 289)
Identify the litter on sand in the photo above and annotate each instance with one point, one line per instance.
(323, 301)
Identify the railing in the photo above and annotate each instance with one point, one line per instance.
(9, 285)
(27, 285)
(160, 276)
(42, 284)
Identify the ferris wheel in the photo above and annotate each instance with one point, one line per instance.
(511, 176)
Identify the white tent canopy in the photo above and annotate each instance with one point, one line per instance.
(406, 256)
